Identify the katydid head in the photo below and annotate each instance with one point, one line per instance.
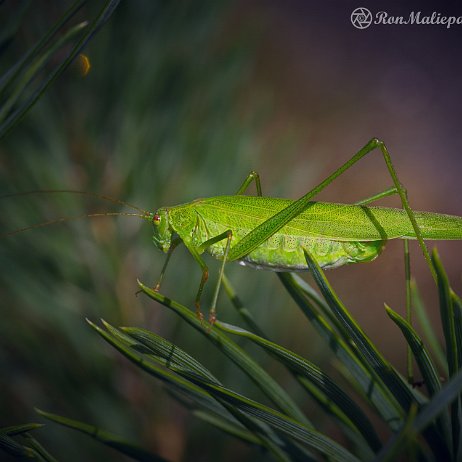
(162, 236)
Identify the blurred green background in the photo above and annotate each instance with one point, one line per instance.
(183, 99)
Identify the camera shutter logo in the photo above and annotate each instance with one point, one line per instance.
(361, 18)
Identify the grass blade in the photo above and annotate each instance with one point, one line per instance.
(96, 24)
(300, 366)
(427, 328)
(104, 437)
(182, 384)
(427, 415)
(428, 370)
(372, 389)
(258, 375)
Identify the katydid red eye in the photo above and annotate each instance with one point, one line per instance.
(156, 219)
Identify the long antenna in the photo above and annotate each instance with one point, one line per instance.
(77, 217)
(71, 191)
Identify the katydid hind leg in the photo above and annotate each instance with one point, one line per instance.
(271, 226)
(252, 176)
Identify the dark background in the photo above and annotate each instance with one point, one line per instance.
(182, 101)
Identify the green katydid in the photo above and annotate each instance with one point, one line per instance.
(272, 233)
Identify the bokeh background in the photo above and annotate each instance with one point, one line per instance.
(183, 99)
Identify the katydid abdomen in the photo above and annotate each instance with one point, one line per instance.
(335, 234)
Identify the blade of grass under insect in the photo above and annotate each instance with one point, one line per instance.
(369, 355)
(457, 305)
(402, 441)
(13, 448)
(449, 330)
(279, 421)
(30, 449)
(354, 438)
(258, 375)
(38, 448)
(148, 343)
(447, 314)
(428, 413)
(428, 329)
(363, 347)
(240, 308)
(226, 426)
(303, 367)
(372, 389)
(104, 14)
(104, 437)
(426, 366)
(321, 399)
(189, 389)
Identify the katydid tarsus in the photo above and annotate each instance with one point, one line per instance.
(272, 233)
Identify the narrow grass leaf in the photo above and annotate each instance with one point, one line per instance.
(226, 426)
(365, 349)
(13, 448)
(285, 424)
(428, 329)
(429, 413)
(96, 24)
(152, 344)
(426, 366)
(256, 373)
(447, 314)
(372, 389)
(184, 386)
(303, 367)
(18, 429)
(104, 437)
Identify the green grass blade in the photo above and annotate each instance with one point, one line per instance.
(149, 343)
(279, 421)
(369, 355)
(427, 327)
(18, 429)
(43, 454)
(363, 347)
(303, 367)
(428, 370)
(453, 352)
(185, 387)
(9, 77)
(240, 308)
(426, 366)
(366, 382)
(104, 437)
(226, 426)
(428, 413)
(258, 375)
(447, 314)
(35, 68)
(11, 447)
(96, 24)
